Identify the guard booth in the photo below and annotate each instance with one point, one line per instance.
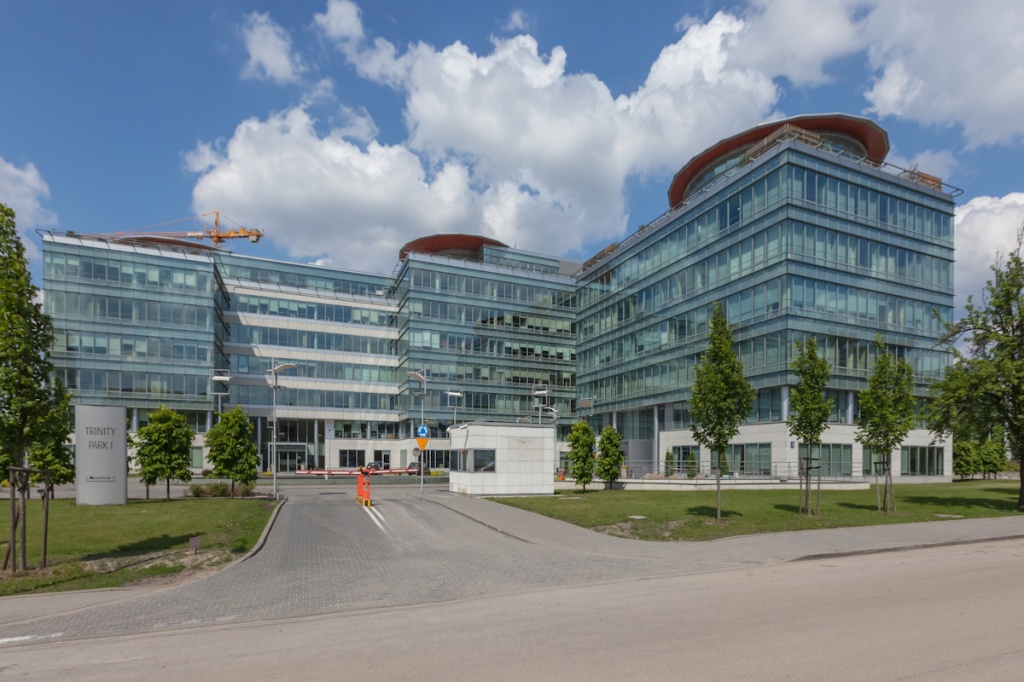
(498, 458)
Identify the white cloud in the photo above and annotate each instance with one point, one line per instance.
(948, 62)
(510, 144)
(942, 164)
(322, 195)
(985, 227)
(23, 189)
(516, 21)
(341, 22)
(270, 51)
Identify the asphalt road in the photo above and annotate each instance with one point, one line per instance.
(423, 591)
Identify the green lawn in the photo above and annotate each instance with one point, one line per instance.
(111, 546)
(687, 515)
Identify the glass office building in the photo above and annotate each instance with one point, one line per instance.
(798, 227)
(800, 230)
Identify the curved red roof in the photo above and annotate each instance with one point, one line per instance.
(449, 244)
(868, 133)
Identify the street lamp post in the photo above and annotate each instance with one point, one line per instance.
(421, 377)
(276, 369)
(539, 391)
(455, 406)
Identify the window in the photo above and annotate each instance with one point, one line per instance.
(483, 460)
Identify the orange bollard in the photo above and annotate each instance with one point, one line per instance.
(363, 489)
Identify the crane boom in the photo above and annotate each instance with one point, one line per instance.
(215, 234)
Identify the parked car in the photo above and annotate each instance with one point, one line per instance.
(414, 469)
(374, 467)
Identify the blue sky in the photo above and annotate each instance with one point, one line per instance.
(345, 129)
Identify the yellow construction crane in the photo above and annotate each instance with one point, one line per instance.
(215, 235)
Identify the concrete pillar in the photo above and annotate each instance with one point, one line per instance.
(209, 420)
(658, 463)
(849, 407)
(785, 403)
(135, 419)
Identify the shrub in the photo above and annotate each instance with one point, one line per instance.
(244, 489)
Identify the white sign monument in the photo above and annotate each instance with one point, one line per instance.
(101, 455)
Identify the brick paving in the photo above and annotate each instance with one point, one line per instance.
(327, 554)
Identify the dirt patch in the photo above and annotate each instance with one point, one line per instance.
(192, 565)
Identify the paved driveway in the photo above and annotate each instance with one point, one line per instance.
(327, 554)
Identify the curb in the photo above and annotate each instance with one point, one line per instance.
(904, 548)
(263, 536)
(482, 523)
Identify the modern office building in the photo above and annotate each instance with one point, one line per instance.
(798, 227)
(801, 230)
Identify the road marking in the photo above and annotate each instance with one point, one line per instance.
(25, 638)
(374, 514)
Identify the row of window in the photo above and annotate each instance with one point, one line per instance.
(846, 198)
(67, 266)
(304, 397)
(880, 260)
(303, 310)
(473, 460)
(141, 384)
(301, 338)
(493, 289)
(758, 355)
(75, 304)
(754, 252)
(282, 274)
(483, 345)
(459, 373)
(128, 347)
(316, 369)
(471, 315)
(839, 303)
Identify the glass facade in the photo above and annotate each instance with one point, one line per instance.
(805, 238)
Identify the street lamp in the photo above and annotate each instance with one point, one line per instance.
(276, 369)
(421, 377)
(455, 406)
(539, 391)
(221, 376)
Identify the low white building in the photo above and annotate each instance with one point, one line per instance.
(491, 458)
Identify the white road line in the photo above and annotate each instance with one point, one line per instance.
(25, 638)
(374, 519)
(376, 512)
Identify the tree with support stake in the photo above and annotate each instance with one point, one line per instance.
(722, 396)
(809, 411)
(886, 413)
(19, 477)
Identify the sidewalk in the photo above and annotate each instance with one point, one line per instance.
(741, 550)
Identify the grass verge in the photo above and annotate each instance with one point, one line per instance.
(145, 540)
(689, 515)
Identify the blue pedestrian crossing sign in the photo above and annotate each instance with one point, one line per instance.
(422, 431)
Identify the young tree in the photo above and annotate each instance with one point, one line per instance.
(809, 409)
(965, 458)
(33, 405)
(581, 453)
(984, 388)
(722, 396)
(51, 450)
(887, 412)
(991, 458)
(164, 448)
(609, 456)
(232, 450)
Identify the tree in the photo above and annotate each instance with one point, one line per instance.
(609, 456)
(991, 458)
(581, 453)
(33, 403)
(232, 450)
(51, 450)
(809, 409)
(722, 396)
(887, 412)
(164, 448)
(966, 461)
(984, 387)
